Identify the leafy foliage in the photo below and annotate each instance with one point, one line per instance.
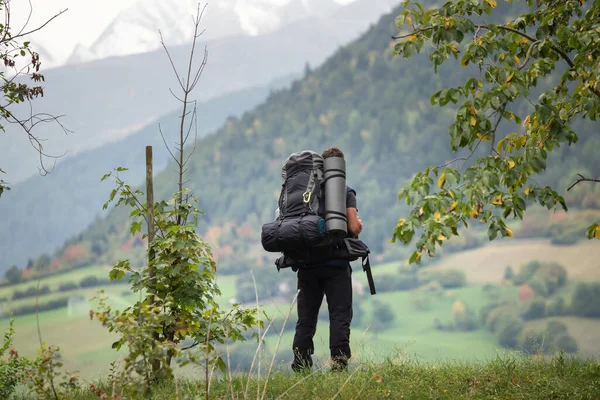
(552, 49)
(179, 289)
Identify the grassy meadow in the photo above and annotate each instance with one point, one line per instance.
(86, 346)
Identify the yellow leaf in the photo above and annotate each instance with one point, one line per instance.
(421, 212)
(441, 237)
(491, 3)
(597, 232)
(453, 47)
(442, 180)
(437, 215)
(509, 232)
(453, 206)
(511, 164)
(517, 60)
(510, 77)
(411, 38)
(377, 378)
(418, 259)
(479, 41)
(474, 213)
(526, 191)
(473, 121)
(473, 111)
(497, 200)
(523, 40)
(410, 21)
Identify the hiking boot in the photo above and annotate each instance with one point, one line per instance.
(339, 364)
(302, 361)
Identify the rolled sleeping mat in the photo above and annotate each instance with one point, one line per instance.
(334, 179)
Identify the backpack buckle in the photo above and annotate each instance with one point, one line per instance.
(306, 196)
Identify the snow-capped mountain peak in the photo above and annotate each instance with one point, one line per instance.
(135, 29)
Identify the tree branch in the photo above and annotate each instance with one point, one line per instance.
(583, 179)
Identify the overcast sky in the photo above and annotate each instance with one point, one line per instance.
(81, 24)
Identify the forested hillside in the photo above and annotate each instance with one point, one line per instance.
(375, 107)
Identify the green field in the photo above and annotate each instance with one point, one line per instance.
(86, 346)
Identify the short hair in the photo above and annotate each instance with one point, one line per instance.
(332, 152)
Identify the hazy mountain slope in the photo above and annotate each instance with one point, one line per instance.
(108, 99)
(39, 214)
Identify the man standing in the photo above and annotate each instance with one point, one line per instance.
(333, 279)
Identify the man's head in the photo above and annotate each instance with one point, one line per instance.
(332, 152)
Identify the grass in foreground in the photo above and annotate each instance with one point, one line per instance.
(500, 378)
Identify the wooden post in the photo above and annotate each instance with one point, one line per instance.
(150, 218)
(150, 215)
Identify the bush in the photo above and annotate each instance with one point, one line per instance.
(89, 281)
(508, 273)
(466, 321)
(535, 342)
(556, 307)
(30, 292)
(407, 282)
(51, 305)
(65, 287)
(508, 331)
(585, 302)
(526, 272)
(556, 328)
(448, 278)
(536, 310)
(553, 275)
(566, 343)
(499, 315)
(538, 287)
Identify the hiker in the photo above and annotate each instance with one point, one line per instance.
(316, 230)
(332, 278)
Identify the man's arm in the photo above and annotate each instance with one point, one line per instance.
(354, 222)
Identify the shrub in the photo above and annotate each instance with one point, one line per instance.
(552, 275)
(556, 307)
(382, 315)
(566, 343)
(407, 282)
(466, 321)
(526, 272)
(89, 281)
(499, 315)
(538, 287)
(508, 273)
(65, 287)
(51, 305)
(585, 302)
(556, 328)
(535, 342)
(508, 331)
(30, 292)
(536, 310)
(448, 278)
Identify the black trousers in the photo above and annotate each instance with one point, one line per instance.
(335, 282)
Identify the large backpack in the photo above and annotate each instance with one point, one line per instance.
(300, 225)
(300, 231)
